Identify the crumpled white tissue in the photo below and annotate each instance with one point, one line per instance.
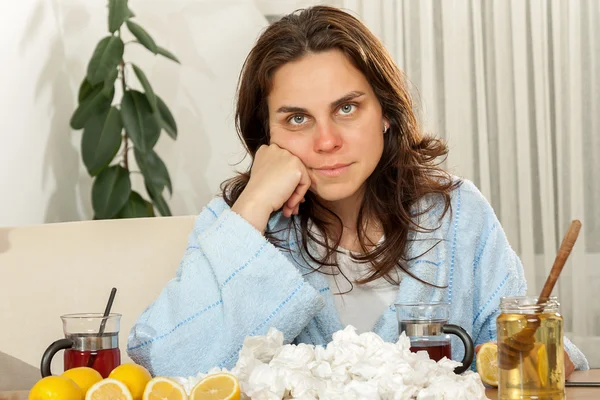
(351, 367)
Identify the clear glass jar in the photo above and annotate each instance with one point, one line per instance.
(530, 349)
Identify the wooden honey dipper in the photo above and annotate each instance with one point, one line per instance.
(510, 351)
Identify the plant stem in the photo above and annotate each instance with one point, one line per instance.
(125, 138)
(125, 159)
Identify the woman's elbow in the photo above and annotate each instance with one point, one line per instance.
(139, 345)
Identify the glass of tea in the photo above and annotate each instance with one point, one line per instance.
(83, 344)
(426, 325)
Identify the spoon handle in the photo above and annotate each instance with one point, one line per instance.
(561, 258)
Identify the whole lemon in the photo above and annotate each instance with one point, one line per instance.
(134, 376)
(84, 377)
(56, 388)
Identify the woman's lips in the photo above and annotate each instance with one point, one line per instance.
(333, 170)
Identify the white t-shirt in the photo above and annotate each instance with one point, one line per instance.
(364, 304)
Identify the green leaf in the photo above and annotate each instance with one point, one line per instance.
(110, 191)
(101, 140)
(156, 178)
(146, 85)
(166, 53)
(106, 57)
(94, 103)
(85, 89)
(136, 207)
(158, 200)
(154, 171)
(140, 34)
(118, 12)
(166, 120)
(140, 123)
(130, 13)
(109, 82)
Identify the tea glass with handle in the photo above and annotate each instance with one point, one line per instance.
(83, 346)
(426, 325)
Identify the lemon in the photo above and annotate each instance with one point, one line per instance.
(108, 389)
(56, 388)
(487, 364)
(217, 387)
(134, 376)
(542, 365)
(161, 388)
(84, 377)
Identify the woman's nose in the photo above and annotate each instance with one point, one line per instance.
(328, 138)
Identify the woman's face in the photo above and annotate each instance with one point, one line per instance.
(324, 111)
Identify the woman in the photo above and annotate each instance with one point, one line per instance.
(343, 213)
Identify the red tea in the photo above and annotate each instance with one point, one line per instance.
(436, 349)
(105, 360)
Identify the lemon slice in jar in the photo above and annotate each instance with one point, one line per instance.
(543, 367)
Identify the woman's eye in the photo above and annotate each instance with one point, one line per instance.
(297, 119)
(347, 108)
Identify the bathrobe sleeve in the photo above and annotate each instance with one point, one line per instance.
(231, 283)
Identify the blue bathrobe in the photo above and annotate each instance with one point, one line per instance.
(233, 283)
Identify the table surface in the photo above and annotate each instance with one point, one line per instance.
(572, 393)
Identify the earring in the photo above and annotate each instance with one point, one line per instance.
(385, 128)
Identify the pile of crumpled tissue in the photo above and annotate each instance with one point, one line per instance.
(351, 367)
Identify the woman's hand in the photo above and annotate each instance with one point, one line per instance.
(277, 179)
(569, 366)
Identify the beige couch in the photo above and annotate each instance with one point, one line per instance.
(54, 269)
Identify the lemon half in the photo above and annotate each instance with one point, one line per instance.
(221, 386)
(487, 364)
(161, 388)
(108, 389)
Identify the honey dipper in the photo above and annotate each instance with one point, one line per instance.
(510, 351)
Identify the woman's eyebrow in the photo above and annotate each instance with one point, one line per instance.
(334, 104)
(291, 109)
(350, 96)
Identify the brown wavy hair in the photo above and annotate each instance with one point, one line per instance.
(409, 167)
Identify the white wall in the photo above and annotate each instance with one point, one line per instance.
(45, 46)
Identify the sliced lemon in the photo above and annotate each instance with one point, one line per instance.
(108, 389)
(221, 386)
(543, 367)
(161, 388)
(487, 364)
(134, 376)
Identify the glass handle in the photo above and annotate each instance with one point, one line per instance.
(55, 347)
(467, 342)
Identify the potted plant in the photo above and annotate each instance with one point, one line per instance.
(114, 129)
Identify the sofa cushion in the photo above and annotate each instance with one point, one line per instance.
(54, 269)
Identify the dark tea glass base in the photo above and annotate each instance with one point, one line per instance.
(105, 360)
(436, 349)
